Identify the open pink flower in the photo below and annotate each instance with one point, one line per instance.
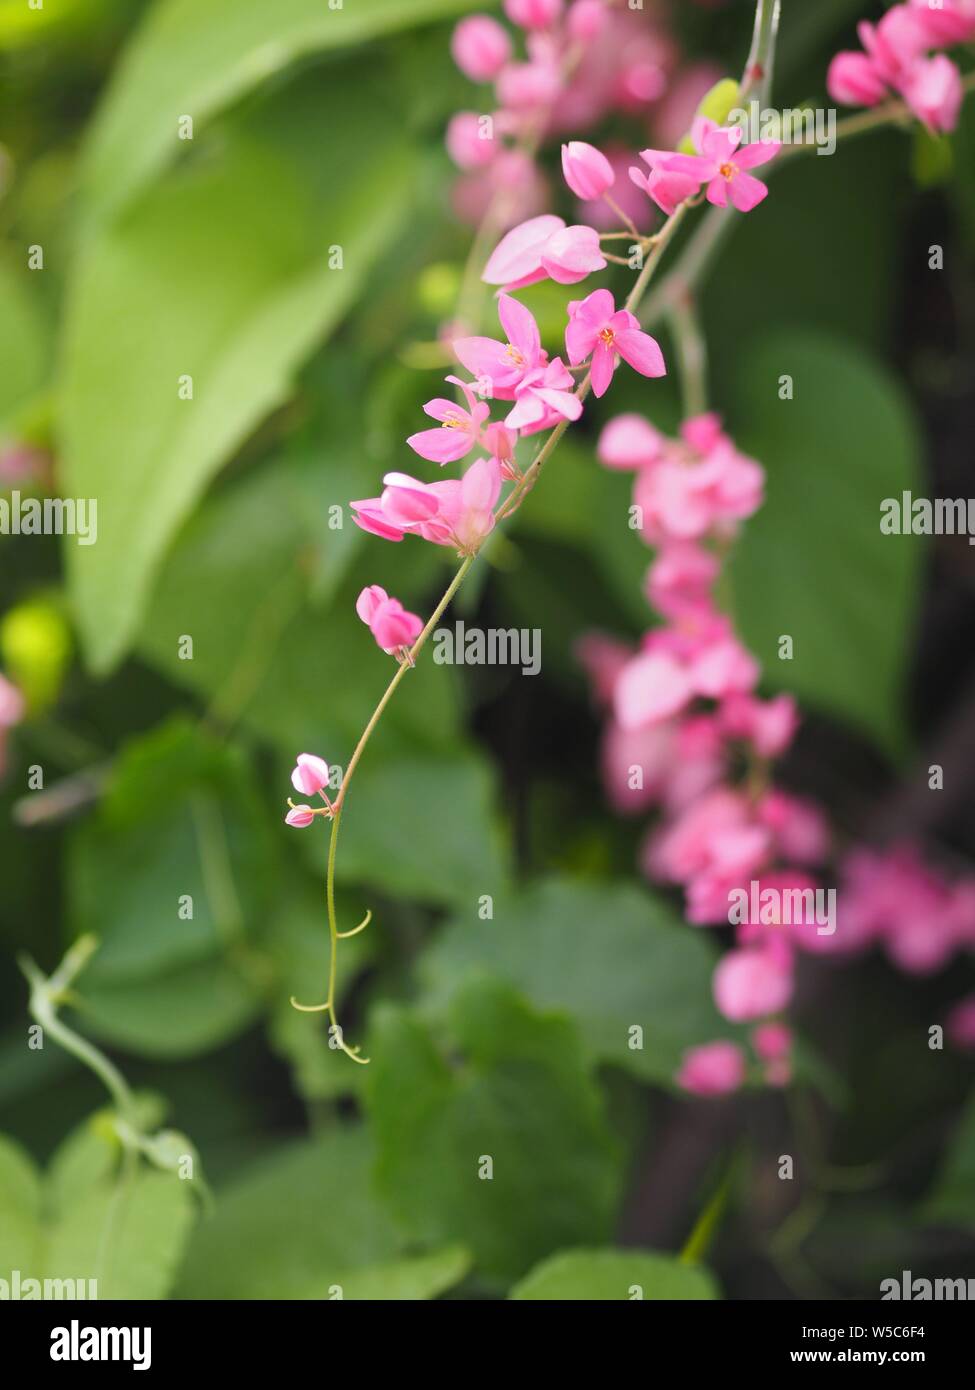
(723, 166)
(596, 327)
(459, 430)
(542, 397)
(392, 626)
(500, 367)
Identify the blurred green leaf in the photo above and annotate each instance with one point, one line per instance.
(613, 958)
(24, 339)
(588, 1276)
(813, 563)
(310, 1223)
(193, 59)
(517, 1095)
(174, 868)
(223, 273)
(951, 1202)
(303, 677)
(125, 1232)
(423, 828)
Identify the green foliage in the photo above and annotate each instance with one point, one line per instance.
(127, 1231)
(951, 1201)
(518, 1097)
(310, 1223)
(605, 1275)
(845, 593)
(610, 957)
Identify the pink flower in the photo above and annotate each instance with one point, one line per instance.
(853, 80)
(951, 21)
(544, 246)
(679, 581)
(768, 725)
(528, 87)
(667, 187)
(516, 261)
(300, 816)
(480, 47)
(458, 512)
(596, 327)
(393, 628)
(533, 14)
(933, 90)
(752, 983)
(960, 1024)
(459, 431)
(586, 170)
(679, 501)
(800, 828)
(468, 142)
(714, 1069)
(498, 366)
(687, 846)
(542, 397)
(11, 704)
(310, 774)
(653, 686)
(629, 442)
(586, 20)
(772, 1041)
(723, 166)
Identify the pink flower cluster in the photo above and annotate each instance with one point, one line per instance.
(897, 57)
(720, 165)
(539, 391)
(682, 721)
(582, 61)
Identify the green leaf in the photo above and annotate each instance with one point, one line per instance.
(417, 1277)
(612, 957)
(423, 828)
(813, 563)
(88, 1221)
(24, 340)
(311, 1226)
(605, 1275)
(222, 273)
(21, 1197)
(148, 1221)
(951, 1201)
(519, 1097)
(193, 59)
(172, 875)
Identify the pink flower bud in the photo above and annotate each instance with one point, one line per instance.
(310, 775)
(853, 80)
(629, 442)
(587, 170)
(712, 1070)
(300, 816)
(480, 47)
(468, 141)
(533, 14)
(752, 983)
(586, 20)
(11, 704)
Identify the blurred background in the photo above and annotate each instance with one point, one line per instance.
(179, 340)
